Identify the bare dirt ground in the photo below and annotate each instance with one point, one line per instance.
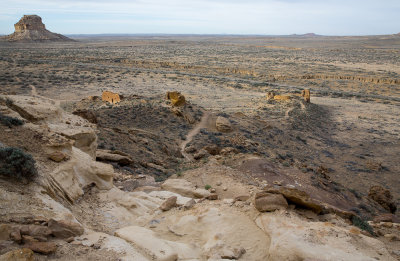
(351, 128)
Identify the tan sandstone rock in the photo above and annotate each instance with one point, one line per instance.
(176, 98)
(293, 238)
(22, 254)
(306, 95)
(114, 156)
(110, 97)
(223, 124)
(265, 201)
(383, 197)
(185, 188)
(168, 204)
(65, 228)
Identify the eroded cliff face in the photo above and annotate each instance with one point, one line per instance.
(30, 28)
(29, 22)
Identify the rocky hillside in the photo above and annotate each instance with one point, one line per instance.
(31, 29)
(58, 203)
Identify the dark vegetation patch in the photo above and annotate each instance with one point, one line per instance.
(16, 163)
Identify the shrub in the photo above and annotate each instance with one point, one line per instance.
(16, 163)
(10, 121)
(207, 187)
(362, 224)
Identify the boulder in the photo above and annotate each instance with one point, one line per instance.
(34, 109)
(35, 231)
(176, 98)
(65, 228)
(114, 156)
(70, 177)
(383, 197)
(184, 188)
(45, 248)
(297, 197)
(265, 201)
(168, 204)
(22, 254)
(223, 124)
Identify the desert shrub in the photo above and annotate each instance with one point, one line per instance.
(16, 163)
(10, 121)
(362, 224)
(207, 187)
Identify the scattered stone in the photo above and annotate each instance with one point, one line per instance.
(386, 218)
(392, 237)
(188, 205)
(15, 235)
(223, 124)
(36, 231)
(235, 254)
(201, 154)
(176, 98)
(242, 198)
(213, 190)
(114, 156)
(58, 156)
(110, 97)
(184, 188)
(5, 231)
(69, 240)
(219, 183)
(169, 203)
(212, 149)
(65, 228)
(265, 201)
(23, 254)
(383, 197)
(228, 150)
(212, 197)
(45, 248)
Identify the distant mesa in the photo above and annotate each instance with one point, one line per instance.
(306, 35)
(31, 29)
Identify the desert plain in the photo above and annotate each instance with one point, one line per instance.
(229, 138)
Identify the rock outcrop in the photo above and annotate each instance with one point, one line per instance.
(176, 98)
(110, 97)
(31, 29)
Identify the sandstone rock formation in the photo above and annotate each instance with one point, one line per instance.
(306, 95)
(383, 197)
(31, 29)
(269, 202)
(282, 98)
(223, 124)
(176, 98)
(110, 97)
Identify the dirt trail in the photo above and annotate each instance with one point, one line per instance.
(194, 132)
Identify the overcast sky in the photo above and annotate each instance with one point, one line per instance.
(271, 17)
